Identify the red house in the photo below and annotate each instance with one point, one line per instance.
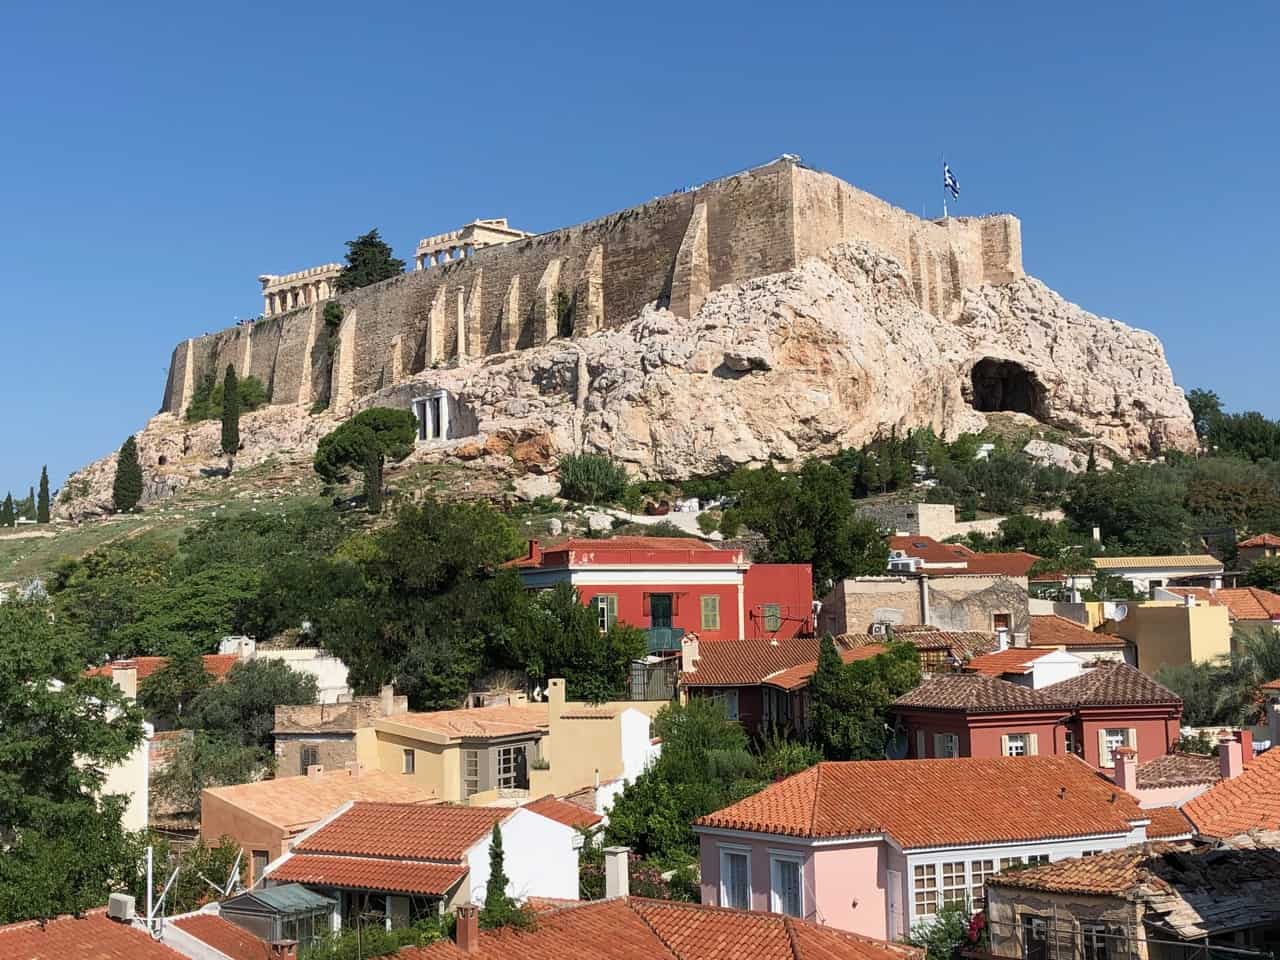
(1090, 715)
(671, 586)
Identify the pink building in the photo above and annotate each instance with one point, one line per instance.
(874, 847)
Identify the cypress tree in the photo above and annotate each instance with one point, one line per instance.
(498, 910)
(6, 511)
(1092, 465)
(126, 491)
(42, 503)
(230, 412)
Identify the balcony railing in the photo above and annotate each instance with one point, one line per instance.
(664, 639)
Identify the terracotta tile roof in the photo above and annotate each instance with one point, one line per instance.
(1110, 684)
(797, 677)
(1243, 603)
(930, 550)
(1051, 630)
(1271, 685)
(1178, 770)
(562, 811)
(735, 663)
(219, 665)
(636, 929)
(371, 873)
(1015, 660)
(974, 693)
(90, 937)
(952, 802)
(629, 550)
(495, 721)
(1167, 823)
(1112, 873)
(1196, 561)
(1248, 801)
(1017, 563)
(1261, 540)
(228, 938)
(442, 831)
(294, 803)
(962, 644)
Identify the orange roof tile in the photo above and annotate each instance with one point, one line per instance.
(1167, 823)
(295, 803)
(216, 664)
(1016, 563)
(1015, 660)
(930, 550)
(1261, 540)
(1243, 603)
(562, 811)
(950, 802)
(91, 937)
(1111, 873)
(787, 664)
(371, 873)
(637, 929)
(797, 677)
(1248, 801)
(1051, 630)
(1178, 770)
(975, 693)
(228, 938)
(442, 831)
(496, 721)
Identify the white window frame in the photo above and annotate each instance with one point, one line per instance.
(727, 851)
(775, 902)
(1108, 759)
(947, 890)
(920, 871)
(408, 761)
(946, 745)
(980, 871)
(1017, 744)
(470, 779)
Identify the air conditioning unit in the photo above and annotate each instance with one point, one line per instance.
(120, 907)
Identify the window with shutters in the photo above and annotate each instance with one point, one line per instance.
(735, 879)
(786, 896)
(1035, 938)
(946, 745)
(1110, 740)
(606, 610)
(1015, 745)
(772, 617)
(711, 612)
(925, 886)
(954, 887)
(1073, 742)
(980, 871)
(470, 772)
(407, 761)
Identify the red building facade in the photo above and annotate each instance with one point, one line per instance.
(671, 587)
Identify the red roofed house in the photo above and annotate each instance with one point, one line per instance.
(1247, 606)
(920, 554)
(1089, 715)
(764, 684)
(1247, 798)
(875, 846)
(410, 861)
(671, 586)
(1250, 551)
(93, 935)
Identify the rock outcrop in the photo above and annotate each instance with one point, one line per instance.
(775, 369)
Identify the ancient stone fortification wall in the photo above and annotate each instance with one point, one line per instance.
(673, 250)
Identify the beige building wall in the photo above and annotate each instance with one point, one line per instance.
(854, 605)
(436, 765)
(221, 818)
(1172, 634)
(1006, 906)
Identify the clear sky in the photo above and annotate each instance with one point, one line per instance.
(156, 157)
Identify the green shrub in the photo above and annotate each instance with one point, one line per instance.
(708, 522)
(592, 478)
(730, 523)
(206, 401)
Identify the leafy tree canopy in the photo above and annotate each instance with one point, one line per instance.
(369, 260)
(366, 442)
(242, 707)
(850, 712)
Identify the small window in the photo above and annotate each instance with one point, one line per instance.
(513, 772)
(470, 773)
(954, 888)
(926, 889)
(735, 880)
(980, 872)
(946, 745)
(711, 612)
(1001, 621)
(1111, 739)
(1015, 745)
(772, 617)
(606, 605)
(1037, 860)
(786, 895)
(408, 761)
(729, 700)
(1007, 862)
(1093, 938)
(1092, 853)
(1035, 938)
(1073, 742)
(310, 757)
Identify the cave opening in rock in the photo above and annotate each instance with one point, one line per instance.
(1006, 385)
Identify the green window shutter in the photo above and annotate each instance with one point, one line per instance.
(711, 612)
(611, 609)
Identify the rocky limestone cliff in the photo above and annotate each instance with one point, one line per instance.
(776, 369)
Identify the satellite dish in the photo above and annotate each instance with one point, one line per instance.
(1122, 611)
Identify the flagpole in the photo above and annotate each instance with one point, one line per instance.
(944, 186)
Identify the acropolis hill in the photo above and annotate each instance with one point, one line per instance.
(766, 316)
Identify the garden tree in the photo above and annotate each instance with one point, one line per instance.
(230, 415)
(369, 260)
(1228, 492)
(7, 516)
(208, 761)
(436, 601)
(1256, 659)
(942, 935)
(1249, 435)
(591, 478)
(705, 764)
(126, 489)
(60, 730)
(200, 608)
(366, 442)
(1264, 573)
(1206, 411)
(166, 693)
(808, 517)
(241, 709)
(42, 504)
(499, 909)
(1107, 586)
(560, 637)
(850, 711)
(1138, 510)
(1213, 694)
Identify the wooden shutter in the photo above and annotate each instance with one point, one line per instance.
(1004, 745)
(1033, 745)
(1131, 738)
(920, 754)
(1102, 747)
(711, 612)
(611, 609)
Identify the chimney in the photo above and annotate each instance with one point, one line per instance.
(689, 653)
(284, 949)
(617, 879)
(1246, 746)
(1188, 600)
(315, 770)
(126, 678)
(1126, 770)
(555, 696)
(467, 932)
(388, 694)
(352, 767)
(535, 553)
(1230, 759)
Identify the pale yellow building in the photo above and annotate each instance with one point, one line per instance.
(1171, 633)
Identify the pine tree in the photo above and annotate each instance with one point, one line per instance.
(6, 511)
(42, 504)
(1092, 465)
(126, 491)
(369, 260)
(230, 413)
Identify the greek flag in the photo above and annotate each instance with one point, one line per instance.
(950, 183)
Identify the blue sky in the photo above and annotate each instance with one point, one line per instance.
(157, 157)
